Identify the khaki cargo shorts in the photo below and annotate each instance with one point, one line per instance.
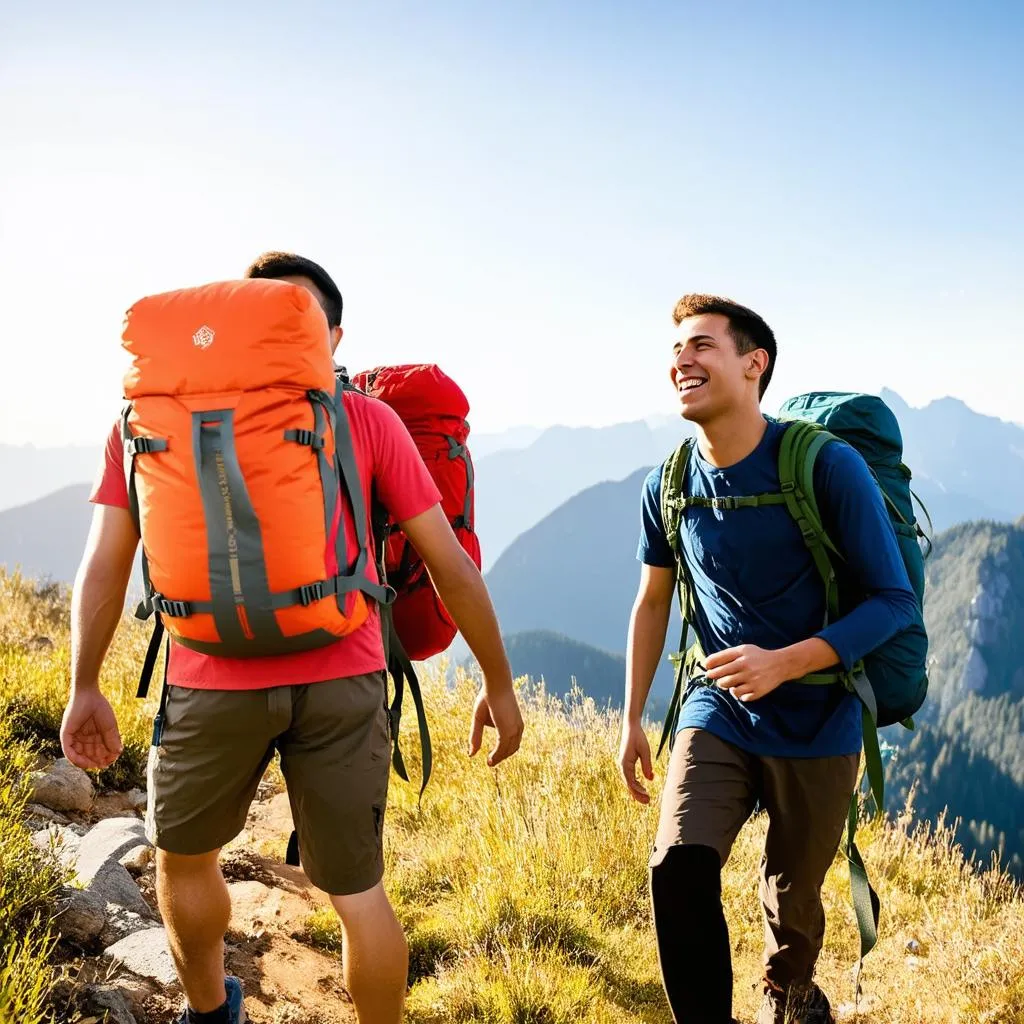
(335, 743)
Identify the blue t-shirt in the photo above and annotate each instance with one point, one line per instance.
(755, 583)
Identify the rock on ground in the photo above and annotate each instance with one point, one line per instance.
(138, 859)
(114, 885)
(108, 999)
(97, 863)
(146, 954)
(61, 840)
(64, 787)
(110, 839)
(119, 923)
(40, 813)
(81, 915)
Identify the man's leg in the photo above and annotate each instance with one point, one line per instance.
(375, 956)
(196, 910)
(202, 778)
(807, 800)
(336, 758)
(709, 793)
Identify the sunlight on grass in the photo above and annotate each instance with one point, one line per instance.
(523, 891)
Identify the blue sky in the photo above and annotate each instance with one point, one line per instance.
(521, 192)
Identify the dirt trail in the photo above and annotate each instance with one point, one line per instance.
(288, 979)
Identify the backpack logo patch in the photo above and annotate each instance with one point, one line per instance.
(203, 338)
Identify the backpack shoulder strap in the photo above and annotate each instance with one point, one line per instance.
(802, 441)
(672, 502)
(673, 474)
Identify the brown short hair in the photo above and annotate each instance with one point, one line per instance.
(748, 330)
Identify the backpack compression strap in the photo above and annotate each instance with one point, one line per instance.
(801, 444)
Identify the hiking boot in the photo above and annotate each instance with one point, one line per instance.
(236, 1004)
(799, 1004)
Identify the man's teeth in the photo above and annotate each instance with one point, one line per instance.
(689, 385)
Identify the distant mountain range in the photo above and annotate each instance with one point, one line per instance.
(518, 487)
(561, 661)
(576, 572)
(46, 537)
(564, 584)
(966, 466)
(28, 473)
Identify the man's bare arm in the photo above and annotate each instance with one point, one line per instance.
(647, 625)
(462, 589)
(89, 734)
(646, 640)
(100, 587)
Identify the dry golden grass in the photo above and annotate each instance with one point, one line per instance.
(524, 890)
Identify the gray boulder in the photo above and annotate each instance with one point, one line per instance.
(37, 812)
(63, 787)
(119, 923)
(98, 863)
(111, 839)
(113, 884)
(61, 841)
(81, 915)
(108, 999)
(146, 954)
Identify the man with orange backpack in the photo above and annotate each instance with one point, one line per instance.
(249, 474)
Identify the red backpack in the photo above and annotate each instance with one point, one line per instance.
(416, 625)
(434, 409)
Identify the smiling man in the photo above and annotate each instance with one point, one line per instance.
(749, 732)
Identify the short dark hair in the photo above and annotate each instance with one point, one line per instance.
(748, 330)
(287, 264)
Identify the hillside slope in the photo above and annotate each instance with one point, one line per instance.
(968, 752)
(28, 473)
(46, 537)
(523, 891)
(576, 572)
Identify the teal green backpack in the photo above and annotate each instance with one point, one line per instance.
(892, 681)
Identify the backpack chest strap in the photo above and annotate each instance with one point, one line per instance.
(729, 502)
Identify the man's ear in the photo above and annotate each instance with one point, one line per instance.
(758, 363)
(336, 333)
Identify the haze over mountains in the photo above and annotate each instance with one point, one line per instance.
(966, 466)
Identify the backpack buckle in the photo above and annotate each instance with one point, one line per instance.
(788, 486)
(306, 437)
(145, 445)
(172, 609)
(807, 532)
(310, 592)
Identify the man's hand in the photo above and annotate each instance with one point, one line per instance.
(461, 587)
(88, 734)
(501, 712)
(634, 747)
(749, 671)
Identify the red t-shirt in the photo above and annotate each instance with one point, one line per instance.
(390, 465)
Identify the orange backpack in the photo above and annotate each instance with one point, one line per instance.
(241, 472)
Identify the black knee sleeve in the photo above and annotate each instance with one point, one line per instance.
(693, 938)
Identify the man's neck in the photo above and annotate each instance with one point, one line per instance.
(724, 442)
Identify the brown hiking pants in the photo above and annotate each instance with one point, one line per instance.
(710, 791)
